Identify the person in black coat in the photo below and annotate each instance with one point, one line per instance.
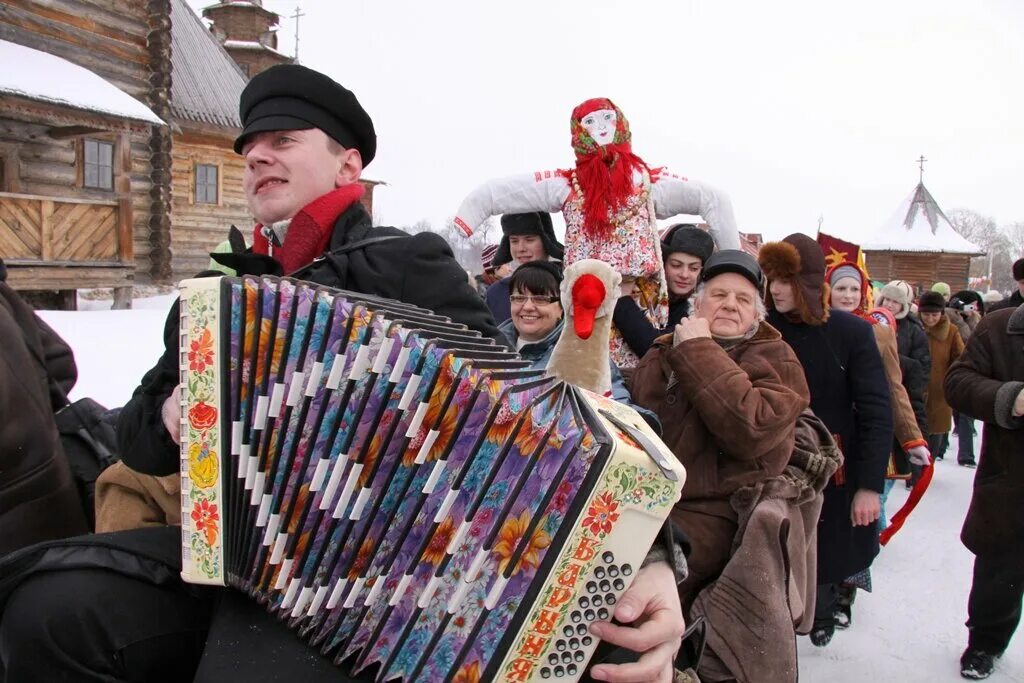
(684, 249)
(123, 612)
(1017, 298)
(38, 498)
(850, 394)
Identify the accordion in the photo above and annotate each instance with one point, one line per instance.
(411, 498)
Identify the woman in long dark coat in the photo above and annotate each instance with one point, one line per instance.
(850, 393)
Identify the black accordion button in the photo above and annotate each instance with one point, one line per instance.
(571, 670)
(589, 615)
(605, 586)
(579, 656)
(591, 586)
(559, 671)
(545, 672)
(567, 657)
(619, 584)
(608, 557)
(576, 616)
(602, 614)
(574, 643)
(582, 630)
(567, 631)
(584, 602)
(610, 599)
(552, 659)
(598, 601)
(560, 645)
(613, 571)
(587, 641)
(599, 572)
(627, 569)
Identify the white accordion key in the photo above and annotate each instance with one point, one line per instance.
(259, 421)
(357, 588)
(236, 438)
(295, 389)
(276, 399)
(314, 379)
(333, 482)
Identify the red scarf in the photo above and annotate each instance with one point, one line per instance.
(309, 232)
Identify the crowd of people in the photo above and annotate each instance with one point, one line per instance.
(794, 394)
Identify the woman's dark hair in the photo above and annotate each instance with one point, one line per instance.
(536, 277)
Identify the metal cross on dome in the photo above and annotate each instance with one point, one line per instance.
(920, 163)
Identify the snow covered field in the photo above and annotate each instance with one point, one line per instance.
(909, 629)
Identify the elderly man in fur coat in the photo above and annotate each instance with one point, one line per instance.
(728, 391)
(850, 393)
(987, 383)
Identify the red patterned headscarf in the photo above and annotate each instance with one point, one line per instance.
(604, 173)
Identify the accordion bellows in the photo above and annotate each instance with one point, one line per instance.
(407, 495)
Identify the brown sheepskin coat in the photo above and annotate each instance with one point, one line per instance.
(945, 346)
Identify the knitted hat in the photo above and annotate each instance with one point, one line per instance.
(931, 302)
(900, 292)
(798, 258)
(1018, 269)
(687, 239)
(942, 288)
(965, 298)
(992, 296)
(487, 256)
(849, 269)
(533, 223)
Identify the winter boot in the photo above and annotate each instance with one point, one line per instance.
(822, 633)
(976, 665)
(844, 608)
(968, 463)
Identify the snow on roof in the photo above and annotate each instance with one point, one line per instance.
(918, 225)
(251, 45)
(49, 78)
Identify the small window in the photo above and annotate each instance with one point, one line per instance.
(206, 184)
(99, 164)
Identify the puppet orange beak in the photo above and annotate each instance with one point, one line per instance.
(587, 295)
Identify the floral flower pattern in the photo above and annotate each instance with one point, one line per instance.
(202, 416)
(439, 542)
(601, 514)
(200, 353)
(206, 519)
(509, 538)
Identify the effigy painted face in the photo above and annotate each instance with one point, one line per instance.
(600, 125)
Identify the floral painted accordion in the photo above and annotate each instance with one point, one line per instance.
(414, 502)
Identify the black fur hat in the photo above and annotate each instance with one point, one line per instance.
(688, 239)
(533, 223)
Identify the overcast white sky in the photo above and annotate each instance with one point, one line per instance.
(795, 108)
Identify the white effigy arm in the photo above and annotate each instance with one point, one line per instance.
(675, 195)
(541, 191)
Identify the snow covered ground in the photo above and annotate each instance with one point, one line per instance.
(909, 629)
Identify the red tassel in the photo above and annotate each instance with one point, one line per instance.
(912, 500)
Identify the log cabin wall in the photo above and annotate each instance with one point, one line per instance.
(199, 224)
(920, 270)
(108, 37)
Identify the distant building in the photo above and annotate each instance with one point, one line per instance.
(919, 244)
(248, 32)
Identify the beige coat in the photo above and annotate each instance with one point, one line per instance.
(126, 499)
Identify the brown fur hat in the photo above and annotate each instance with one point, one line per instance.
(798, 258)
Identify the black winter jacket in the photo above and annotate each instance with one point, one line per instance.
(637, 330)
(915, 363)
(417, 269)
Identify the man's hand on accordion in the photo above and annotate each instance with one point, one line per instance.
(653, 625)
(171, 414)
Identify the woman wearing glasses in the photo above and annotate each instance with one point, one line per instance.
(537, 319)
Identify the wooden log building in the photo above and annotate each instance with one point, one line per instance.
(116, 132)
(919, 244)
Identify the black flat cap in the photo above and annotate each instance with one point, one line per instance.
(294, 97)
(733, 261)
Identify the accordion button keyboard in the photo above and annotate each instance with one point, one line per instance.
(571, 670)
(591, 586)
(627, 569)
(582, 630)
(587, 641)
(602, 614)
(599, 572)
(590, 615)
(608, 556)
(610, 599)
(553, 659)
(559, 671)
(619, 584)
(605, 585)
(545, 672)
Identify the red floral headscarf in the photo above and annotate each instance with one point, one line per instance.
(604, 173)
